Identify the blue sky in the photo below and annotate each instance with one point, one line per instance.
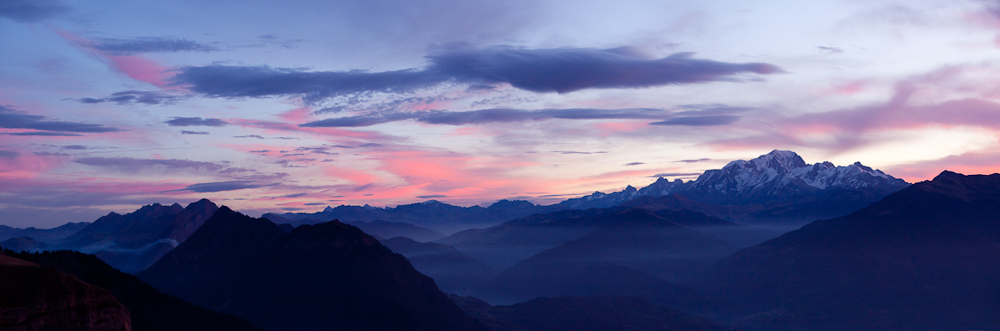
(292, 106)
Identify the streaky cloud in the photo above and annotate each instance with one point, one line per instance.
(712, 120)
(497, 115)
(139, 45)
(136, 97)
(9, 154)
(193, 132)
(132, 165)
(11, 119)
(29, 11)
(560, 70)
(195, 121)
(220, 186)
(565, 70)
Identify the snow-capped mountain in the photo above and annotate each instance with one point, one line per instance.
(781, 175)
(775, 176)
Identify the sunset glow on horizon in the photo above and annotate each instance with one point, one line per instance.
(276, 106)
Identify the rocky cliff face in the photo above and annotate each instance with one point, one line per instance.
(36, 298)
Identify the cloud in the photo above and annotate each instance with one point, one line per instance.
(9, 154)
(693, 160)
(432, 196)
(195, 121)
(12, 119)
(41, 133)
(249, 136)
(566, 70)
(676, 174)
(137, 97)
(830, 49)
(138, 45)
(699, 120)
(499, 115)
(75, 147)
(193, 132)
(220, 186)
(560, 70)
(131, 165)
(28, 11)
(634, 164)
(243, 81)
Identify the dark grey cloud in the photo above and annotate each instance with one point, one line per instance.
(634, 163)
(491, 116)
(261, 151)
(75, 147)
(294, 195)
(195, 121)
(50, 154)
(8, 154)
(676, 174)
(220, 186)
(249, 136)
(578, 152)
(42, 133)
(242, 81)
(11, 119)
(131, 165)
(432, 196)
(566, 70)
(830, 49)
(317, 150)
(560, 70)
(193, 132)
(699, 120)
(28, 11)
(137, 97)
(139, 45)
(317, 203)
(693, 160)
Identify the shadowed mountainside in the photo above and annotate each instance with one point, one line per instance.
(149, 308)
(924, 258)
(309, 279)
(37, 298)
(604, 313)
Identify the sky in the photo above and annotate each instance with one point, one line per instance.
(269, 106)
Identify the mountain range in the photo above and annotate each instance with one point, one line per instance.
(923, 258)
(312, 278)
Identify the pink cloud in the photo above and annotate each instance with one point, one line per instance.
(133, 66)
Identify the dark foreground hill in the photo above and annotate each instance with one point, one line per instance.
(149, 308)
(316, 277)
(37, 298)
(924, 258)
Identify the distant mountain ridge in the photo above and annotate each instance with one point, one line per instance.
(776, 176)
(133, 241)
(772, 182)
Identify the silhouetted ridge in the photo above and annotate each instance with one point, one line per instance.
(149, 308)
(315, 277)
(923, 258)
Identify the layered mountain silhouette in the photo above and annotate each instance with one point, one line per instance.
(44, 235)
(451, 270)
(37, 298)
(133, 241)
(631, 252)
(602, 313)
(923, 258)
(431, 214)
(312, 278)
(147, 308)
